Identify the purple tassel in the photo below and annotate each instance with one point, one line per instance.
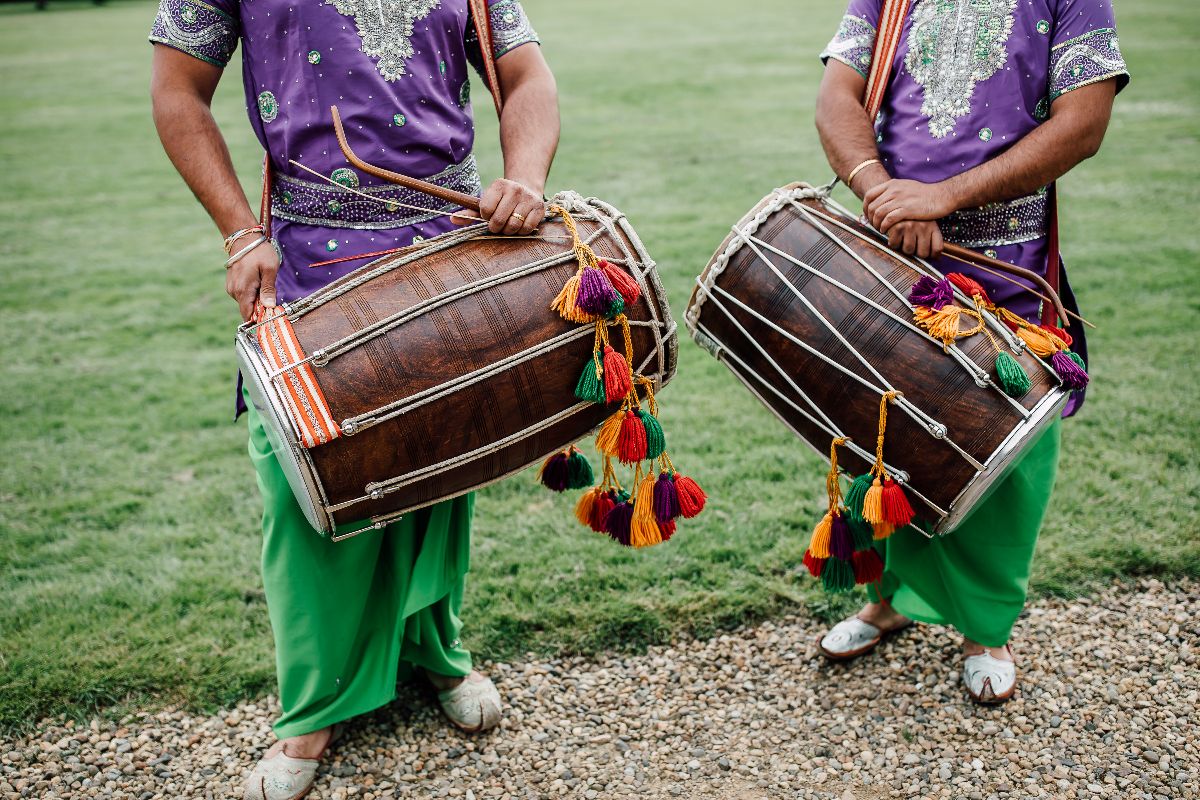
(1071, 374)
(556, 472)
(596, 292)
(618, 522)
(928, 291)
(666, 498)
(841, 539)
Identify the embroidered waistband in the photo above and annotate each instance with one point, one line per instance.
(997, 224)
(313, 203)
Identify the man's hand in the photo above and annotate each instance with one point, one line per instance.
(251, 279)
(896, 200)
(511, 207)
(916, 238)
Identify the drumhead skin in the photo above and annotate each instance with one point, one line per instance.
(445, 368)
(808, 308)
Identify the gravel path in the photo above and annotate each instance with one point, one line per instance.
(1107, 708)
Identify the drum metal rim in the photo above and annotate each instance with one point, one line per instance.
(281, 432)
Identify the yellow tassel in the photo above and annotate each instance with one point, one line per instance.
(883, 530)
(1040, 342)
(873, 502)
(583, 509)
(819, 544)
(644, 529)
(610, 432)
(565, 303)
(943, 323)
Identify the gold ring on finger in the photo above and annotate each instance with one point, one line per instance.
(518, 216)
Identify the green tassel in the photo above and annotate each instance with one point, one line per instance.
(590, 388)
(579, 471)
(617, 307)
(656, 440)
(837, 576)
(863, 533)
(1013, 379)
(855, 494)
(1071, 354)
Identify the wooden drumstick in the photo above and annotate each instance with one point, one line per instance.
(416, 184)
(970, 256)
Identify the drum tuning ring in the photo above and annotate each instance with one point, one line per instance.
(981, 380)
(349, 427)
(900, 476)
(319, 358)
(376, 494)
(937, 430)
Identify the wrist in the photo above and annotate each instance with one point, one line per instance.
(868, 178)
(534, 185)
(950, 192)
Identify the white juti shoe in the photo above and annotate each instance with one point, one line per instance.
(282, 777)
(852, 637)
(989, 680)
(474, 705)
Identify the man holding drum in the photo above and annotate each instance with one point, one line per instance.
(987, 104)
(350, 618)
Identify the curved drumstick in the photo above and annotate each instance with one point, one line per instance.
(449, 195)
(970, 256)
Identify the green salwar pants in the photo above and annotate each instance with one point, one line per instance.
(352, 618)
(976, 578)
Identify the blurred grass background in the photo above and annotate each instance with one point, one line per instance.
(129, 539)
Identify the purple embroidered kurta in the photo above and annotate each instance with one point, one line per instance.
(397, 71)
(971, 78)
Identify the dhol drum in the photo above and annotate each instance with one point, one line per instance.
(442, 368)
(830, 329)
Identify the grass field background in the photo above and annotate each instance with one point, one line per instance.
(129, 542)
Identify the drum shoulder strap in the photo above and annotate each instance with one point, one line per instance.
(482, 20)
(887, 41)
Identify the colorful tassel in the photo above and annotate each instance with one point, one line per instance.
(623, 282)
(819, 544)
(566, 302)
(931, 292)
(1012, 376)
(1060, 333)
(1069, 370)
(579, 471)
(644, 530)
(841, 541)
(618, 378)
(813, 564)
(666, 529)
(882, 530)
(596, 293)
(969, 286)
(605, 502)
(666, 498)
(863, 533)
(943, 323)
(837, 576)
(554, 474)
(631, 446)
(590, 387)
(1078, 359)
(897, 511)
(873, 502)
(868, 566)
(617, 523)
(585, 509)
(608, 437)
(691, 497)
(656, 440)
(856, 494)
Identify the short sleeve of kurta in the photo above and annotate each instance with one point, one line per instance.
(855, 37)
(205, 30)
(510, 29)
(1084, 47)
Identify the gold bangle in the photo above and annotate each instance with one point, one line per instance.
(854, 172)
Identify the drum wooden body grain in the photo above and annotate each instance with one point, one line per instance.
(808, 309)
(472, 377)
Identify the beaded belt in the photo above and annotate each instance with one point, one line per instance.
(997, 224)
(329, 206)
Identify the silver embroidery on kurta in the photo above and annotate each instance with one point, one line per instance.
(386, 29)
(952, 46)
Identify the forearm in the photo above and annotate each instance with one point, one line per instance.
(529, 129)
(847, 133)
(196, 147)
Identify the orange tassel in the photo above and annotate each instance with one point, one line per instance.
(610, 433)
(873, 502)
(565, 303)
(818, 546)
(644, 530)
(586, 505)
(882, 530)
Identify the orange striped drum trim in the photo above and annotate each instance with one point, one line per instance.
(297, 385)
(887, 40)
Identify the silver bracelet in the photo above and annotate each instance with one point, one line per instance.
(233, 259)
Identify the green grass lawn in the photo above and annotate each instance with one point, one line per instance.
(129, 546)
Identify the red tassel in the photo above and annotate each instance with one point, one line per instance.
(1060, 333)
(585, 509)
(667, 529)
(623, 282)
(968, 286)
(604, 503)
(631, 446)
(897, 511)
(618, 379)
(691, 496)
(868, 566)
(814, 564)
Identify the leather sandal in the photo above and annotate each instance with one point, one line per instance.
(990, 680)
(282, 777)
(852, 637)
(474, 705)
